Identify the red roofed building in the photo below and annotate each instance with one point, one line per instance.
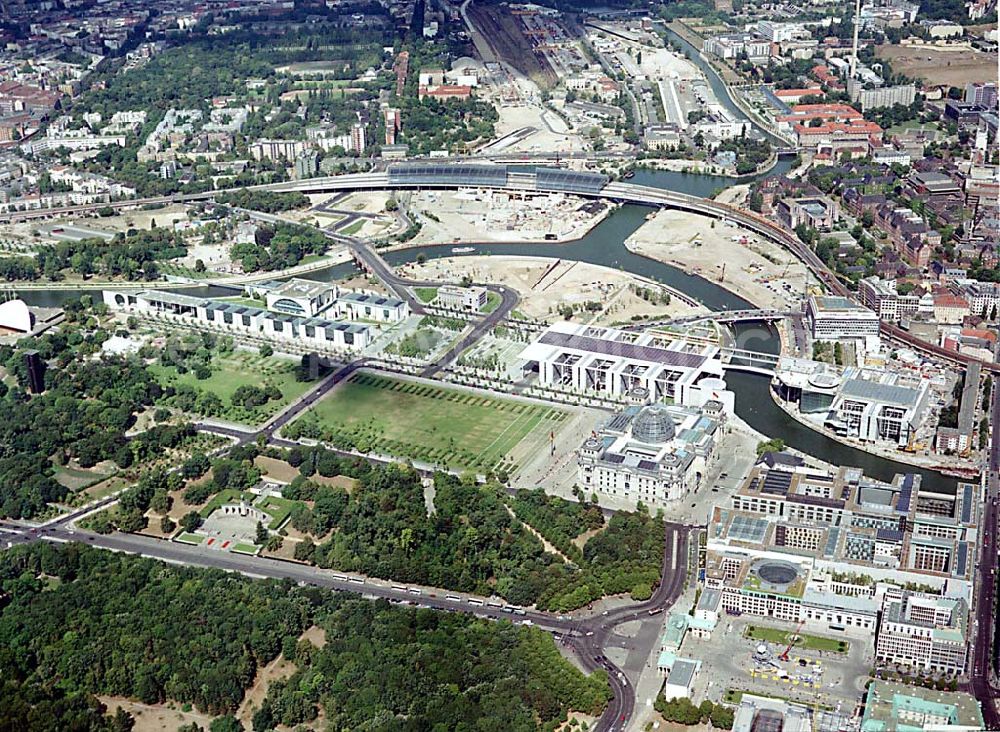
(836, 137)
(985, 333)
(826, 77)
(445, 91)
(950, 308)
(794, 96)
(837, 112)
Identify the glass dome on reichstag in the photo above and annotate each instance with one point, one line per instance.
(653, 425)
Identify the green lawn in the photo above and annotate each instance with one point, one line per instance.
(278, 508)
(493, 300)
(912, 125)
(353, 228)
(76, 479)
(425, 294)
(231, 371)
(189, 538)
(804, 640)
(245, 548)
(179, 270)
(447, 427)
(248, 301)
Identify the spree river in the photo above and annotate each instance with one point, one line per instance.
(604, 245)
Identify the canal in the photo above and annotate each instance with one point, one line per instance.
(718, 85)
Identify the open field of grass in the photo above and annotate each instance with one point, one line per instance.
(803, 640)
(79, 478)
(448, 427)
(425, 294)
(914, 126)
(278, 508)
(237, 369)
(179, 270)
(493, 301)
(189, 538)
(353, 228)
(105, 488)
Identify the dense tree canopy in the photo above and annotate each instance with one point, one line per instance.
(83, 414)
(279, 246)
(470, 542)
(79, 621)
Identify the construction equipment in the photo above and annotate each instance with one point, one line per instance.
(791, 641)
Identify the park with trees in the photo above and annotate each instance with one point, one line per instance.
(79, 622)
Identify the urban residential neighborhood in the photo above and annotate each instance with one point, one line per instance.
(454, 365)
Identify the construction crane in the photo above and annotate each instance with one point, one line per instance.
(791, 642)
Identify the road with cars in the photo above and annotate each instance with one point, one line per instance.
(983, 657)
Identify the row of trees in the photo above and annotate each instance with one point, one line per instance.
(131, 256)
(682, 710)
(266, 201)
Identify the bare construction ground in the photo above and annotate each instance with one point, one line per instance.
(452, 216)
(505, 34)
(546, 285)
(756, 270)
(954, 65)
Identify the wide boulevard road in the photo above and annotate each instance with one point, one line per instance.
(985, 611)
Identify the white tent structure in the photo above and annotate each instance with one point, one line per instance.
(14, 315)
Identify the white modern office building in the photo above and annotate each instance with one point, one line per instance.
(244, 320)
(837, 318)
(655, 455)
(647, 367)
(295, 296)
(923, 632)
(878, 407)
(461, 298)
(812, 385)
(309, 298)
(883, 298)
(369, 306)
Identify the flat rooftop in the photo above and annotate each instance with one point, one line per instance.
(301, 288)
(835, 304)
(651, 354)
(873, 391)
(889, 705)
